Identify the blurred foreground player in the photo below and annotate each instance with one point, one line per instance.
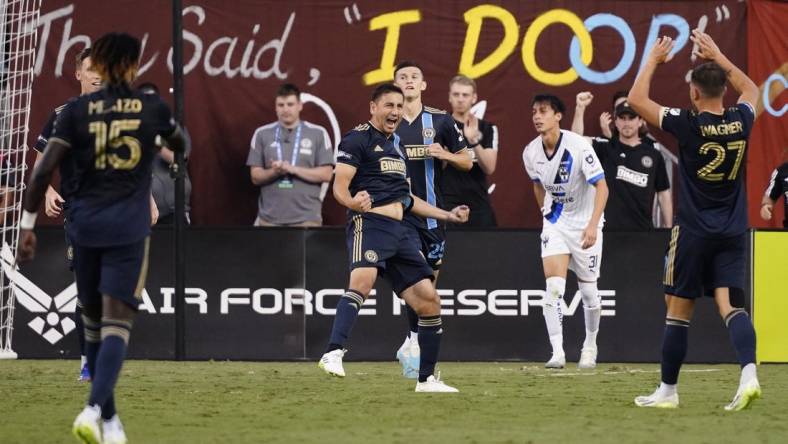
(371, 181)
(707, 251)
(104, 145)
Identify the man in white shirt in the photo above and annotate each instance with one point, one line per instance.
(570, 188)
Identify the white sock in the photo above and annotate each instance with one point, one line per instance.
(748, 373)
(83, 360)
(592, 310)
(667, 389)
(551, 309)
(414, 337)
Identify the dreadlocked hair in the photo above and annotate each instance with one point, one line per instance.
(115, 57)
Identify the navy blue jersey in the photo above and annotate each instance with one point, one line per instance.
(380, 164)
(430, 126)
(106, 176)
(46, 132)
(712, 200)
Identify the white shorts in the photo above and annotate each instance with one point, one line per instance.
(585, 263)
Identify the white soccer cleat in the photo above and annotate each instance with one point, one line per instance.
(556, 361)
(587, 358)
(112, 431)
(331, 363)
(658, 400)
(745, 395)
(408, 356)
(434, 385)
(86, 425)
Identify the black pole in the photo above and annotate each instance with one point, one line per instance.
(179, 170)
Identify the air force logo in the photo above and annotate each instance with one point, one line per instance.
(52, 321)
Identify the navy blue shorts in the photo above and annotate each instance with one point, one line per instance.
(695, 266)
(433, 245)
(118, 272)
(390, 246)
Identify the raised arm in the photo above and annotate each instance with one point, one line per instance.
(708, 49)
(582, 101)
(638, 97)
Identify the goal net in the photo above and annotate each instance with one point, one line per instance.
(18, 38)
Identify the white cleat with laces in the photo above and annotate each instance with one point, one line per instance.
(658, 399)
(745, 395)
(587, 358)
(434, 385)
(112, 431)
(556, 361)
(331, 363)
(86, 425)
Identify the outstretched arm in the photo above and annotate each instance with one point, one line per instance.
(638, 97)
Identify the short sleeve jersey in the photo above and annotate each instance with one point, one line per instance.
(430, 126)
(712, 200)
(778, 186)
(634, 174)
(380, 162)
(470, 187)
(567, 176)
(107, 173)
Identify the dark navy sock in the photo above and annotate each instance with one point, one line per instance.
(742, 336)
(413, 320)
(108, 409)
(430, 332)
(115, 336)
(347, 312)
(80, 329)
(92, 334)
(674, 349)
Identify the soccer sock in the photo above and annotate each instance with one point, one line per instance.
(742, 336)
(80, 329)
(92, 334)
(551, 309)
(674, 349)
(592, 309)
(413, 321)
(347, 312)
(430, 331)
(108, 409)
(114, 341)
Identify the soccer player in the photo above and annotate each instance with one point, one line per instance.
(371, 181)
(778, 186)
(104, 143)
(570, 188)
(707, 249)
(432, 141)
(470, 188)
(89, 82)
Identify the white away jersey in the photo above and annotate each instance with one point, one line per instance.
(567, 177)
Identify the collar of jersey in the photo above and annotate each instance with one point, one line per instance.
(557, 146)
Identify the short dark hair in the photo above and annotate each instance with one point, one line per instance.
(407, 64)
(385, 88)
(148, 88)
(555, 103)
(710, 79)
(617, 95)
(288, 89)
(81, 56)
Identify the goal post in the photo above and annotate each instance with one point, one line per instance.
(18, 39)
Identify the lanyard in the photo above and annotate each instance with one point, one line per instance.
(296, 143)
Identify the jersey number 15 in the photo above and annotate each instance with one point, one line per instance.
(113, 140)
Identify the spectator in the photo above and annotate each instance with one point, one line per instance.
(163, 184)
(290, 159)
(634, 169)
(470, 187)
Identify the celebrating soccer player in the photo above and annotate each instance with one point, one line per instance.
(432, 141)
(570, 188)
(371, 181)
(706, 255)
(104, 143)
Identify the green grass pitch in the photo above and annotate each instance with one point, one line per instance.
(240, 402)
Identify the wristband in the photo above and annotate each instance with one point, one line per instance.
(28, 221)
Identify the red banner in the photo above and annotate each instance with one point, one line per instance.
(767, 44)
(237, 54)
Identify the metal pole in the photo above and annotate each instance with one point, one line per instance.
(178, 172)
